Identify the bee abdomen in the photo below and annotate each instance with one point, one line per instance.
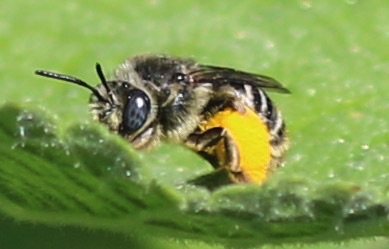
(264, 106)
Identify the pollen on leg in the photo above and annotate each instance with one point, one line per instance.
(251, 137)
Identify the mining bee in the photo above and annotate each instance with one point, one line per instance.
(221, 113)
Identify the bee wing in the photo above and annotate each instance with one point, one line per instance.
(223, 75)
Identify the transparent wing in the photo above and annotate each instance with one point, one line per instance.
(223, 75)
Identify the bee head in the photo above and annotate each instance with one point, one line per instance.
(125, 109)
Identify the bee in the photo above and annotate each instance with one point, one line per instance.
(221, 113)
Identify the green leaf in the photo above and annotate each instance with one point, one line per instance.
(332, 55)
(90, 178)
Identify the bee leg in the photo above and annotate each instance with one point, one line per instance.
(206, 144)
(205, 141)
(232, 160)
(231, 155)
(232, 98)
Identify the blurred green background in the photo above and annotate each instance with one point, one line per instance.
(332, 55)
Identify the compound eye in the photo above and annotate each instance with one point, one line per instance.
(136, 111)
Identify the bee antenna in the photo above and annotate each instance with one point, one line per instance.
(71, 79)
(100, 73)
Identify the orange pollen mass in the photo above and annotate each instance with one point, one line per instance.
(251, 138)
